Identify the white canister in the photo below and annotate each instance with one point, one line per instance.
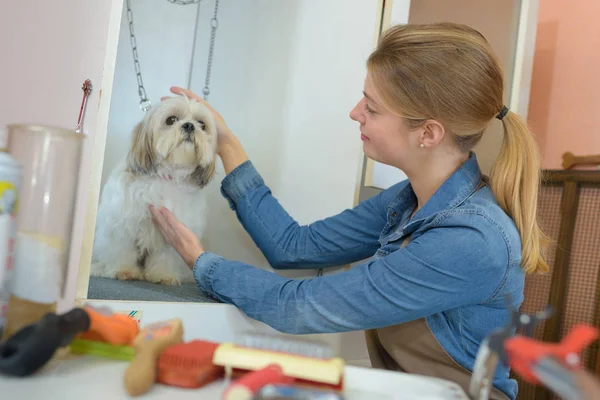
(10, 181)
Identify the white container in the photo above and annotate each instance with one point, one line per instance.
(50, 157)
(10, 181)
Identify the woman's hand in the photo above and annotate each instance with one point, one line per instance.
(229, 147)
(177, 235)
(223, 130)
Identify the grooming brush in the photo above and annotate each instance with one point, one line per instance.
(189, 365)
(309, 363)
(152, 340)
(247, 386)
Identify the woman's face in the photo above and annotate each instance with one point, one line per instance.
(385, 136)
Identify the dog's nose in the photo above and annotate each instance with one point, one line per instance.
(188, 127)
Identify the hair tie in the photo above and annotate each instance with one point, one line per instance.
(502, 113)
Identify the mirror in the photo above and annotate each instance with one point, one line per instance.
(283, 74)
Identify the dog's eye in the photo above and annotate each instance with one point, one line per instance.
(202, 125)
(171, 120)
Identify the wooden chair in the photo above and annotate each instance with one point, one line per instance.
(569, 210)
(570, 160)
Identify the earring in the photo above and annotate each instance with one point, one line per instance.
(421, 145)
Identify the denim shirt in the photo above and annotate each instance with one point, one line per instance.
(462, 259)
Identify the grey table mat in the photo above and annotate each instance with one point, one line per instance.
(114, 289)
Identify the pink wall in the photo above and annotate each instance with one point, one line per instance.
(564, 109)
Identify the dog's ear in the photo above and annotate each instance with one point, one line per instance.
(140, 160)
(202, 175)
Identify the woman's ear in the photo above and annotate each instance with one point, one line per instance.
(140, 160)
(432, 133)
(202, 175)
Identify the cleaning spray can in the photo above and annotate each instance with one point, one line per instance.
(10, 180)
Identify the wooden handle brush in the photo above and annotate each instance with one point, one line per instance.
(149, 344)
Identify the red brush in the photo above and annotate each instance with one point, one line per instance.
(189, 365)
(246, 387)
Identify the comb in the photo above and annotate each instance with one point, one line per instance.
(189, 365)
(309, 363)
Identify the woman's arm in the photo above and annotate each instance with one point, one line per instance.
(345, 238)
(444, 268)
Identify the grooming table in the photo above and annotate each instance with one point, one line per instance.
(90, 378)
(114, 289)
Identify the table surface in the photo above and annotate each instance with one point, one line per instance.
(89, 378)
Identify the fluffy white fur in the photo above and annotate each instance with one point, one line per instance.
(168, 165)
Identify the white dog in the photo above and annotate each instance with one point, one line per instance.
(172, 157)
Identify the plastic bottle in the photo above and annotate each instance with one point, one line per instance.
(50, 158)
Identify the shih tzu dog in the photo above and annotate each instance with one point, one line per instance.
(172, 157)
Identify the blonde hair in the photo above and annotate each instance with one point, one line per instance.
(449, 73)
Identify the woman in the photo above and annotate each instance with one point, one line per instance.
(447, 247)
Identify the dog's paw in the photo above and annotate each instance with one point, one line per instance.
(157, 277)
(129, 273)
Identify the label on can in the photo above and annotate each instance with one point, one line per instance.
(8, 212)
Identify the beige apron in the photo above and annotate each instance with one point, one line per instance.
(413, 348)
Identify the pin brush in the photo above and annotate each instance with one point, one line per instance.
(309, 363)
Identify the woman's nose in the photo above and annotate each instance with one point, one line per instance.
(356, 114)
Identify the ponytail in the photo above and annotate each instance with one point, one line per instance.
(515, 180)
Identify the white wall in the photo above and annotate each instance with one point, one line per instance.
(285, 76)
(164, 34)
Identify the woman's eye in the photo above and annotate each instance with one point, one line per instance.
(202, 125)
(171, 120)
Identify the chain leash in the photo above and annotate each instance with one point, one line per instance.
(145, 103)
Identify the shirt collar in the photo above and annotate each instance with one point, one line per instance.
(453, 192)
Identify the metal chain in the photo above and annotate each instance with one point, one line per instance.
(144, 102)
(214, 24)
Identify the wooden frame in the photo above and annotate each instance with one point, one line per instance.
(112, 43)
(572, 182)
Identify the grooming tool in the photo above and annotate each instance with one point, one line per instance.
(548, 364)
(100, 349)
(280, 392)
(491, 352)
(309, 363)
(149, 344)
(551, 364)
(189, 365)
(87, 89)
(34, 345)
(244, 388)
(113, 328)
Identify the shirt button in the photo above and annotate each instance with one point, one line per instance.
(394, 214)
